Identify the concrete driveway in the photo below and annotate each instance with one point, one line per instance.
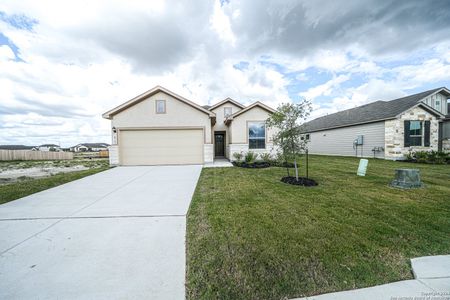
(116, 234)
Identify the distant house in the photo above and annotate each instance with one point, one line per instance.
(48, 147)
(89, 147)
(385, 129)
(17, 147)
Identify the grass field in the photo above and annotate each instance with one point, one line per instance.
(12, 191)
(250, 236)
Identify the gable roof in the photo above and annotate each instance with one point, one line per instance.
(373, 112)
(255, 104)
(225, 101)
(149, 93)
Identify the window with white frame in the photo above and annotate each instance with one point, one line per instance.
(416, 133)
(227, 111)
(257, 135)
(160, 106)
(438, 104)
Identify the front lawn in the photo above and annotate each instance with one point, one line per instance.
(250, 236)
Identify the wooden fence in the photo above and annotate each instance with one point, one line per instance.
(34, 155)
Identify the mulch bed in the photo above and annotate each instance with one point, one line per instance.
(301, 181)
(255, 165)
(260, 164)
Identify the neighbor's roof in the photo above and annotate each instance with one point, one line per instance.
(257, 103)
(16, 147)
(372, 112)
(93, 145)
(149, 93)
(226, 101)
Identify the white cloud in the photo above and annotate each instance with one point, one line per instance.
(220, 22)
(85, 57)
(325, 89)
(6, 53)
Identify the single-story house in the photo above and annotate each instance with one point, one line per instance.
(160, 127)
(384, 129)
(89, 147)
(49, 147)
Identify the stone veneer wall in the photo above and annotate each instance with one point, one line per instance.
(394, 133)
(208, 153)
(113, 155)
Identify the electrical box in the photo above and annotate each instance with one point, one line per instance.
(359, 140)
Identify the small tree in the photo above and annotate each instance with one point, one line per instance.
(287, 121)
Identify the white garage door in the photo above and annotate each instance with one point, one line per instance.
(161, 147)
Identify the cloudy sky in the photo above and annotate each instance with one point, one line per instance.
(64, 63)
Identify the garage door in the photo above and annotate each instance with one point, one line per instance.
(161, 147)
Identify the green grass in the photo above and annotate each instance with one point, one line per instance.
(27, 186)
(250, 236)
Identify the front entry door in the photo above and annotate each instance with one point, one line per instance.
(219, 144)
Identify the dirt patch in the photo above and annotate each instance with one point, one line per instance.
(301, 181)
(13, 175)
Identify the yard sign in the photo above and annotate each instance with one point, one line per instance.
(362, 167)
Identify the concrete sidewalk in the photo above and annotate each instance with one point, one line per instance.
(432, 281)
(219, 163)
(118, 234)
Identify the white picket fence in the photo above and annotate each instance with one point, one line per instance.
(34, 155)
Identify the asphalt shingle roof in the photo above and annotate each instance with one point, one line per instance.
(95, 145)
(16, 147)
(378, 110)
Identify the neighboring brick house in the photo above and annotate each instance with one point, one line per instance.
(385, 129)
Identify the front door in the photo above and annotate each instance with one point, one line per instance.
(219, 144)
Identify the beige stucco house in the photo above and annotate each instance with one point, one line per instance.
(385, 129)
(160, 127)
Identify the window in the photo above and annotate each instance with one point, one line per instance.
(438, 105)
(160, 106)
(227, 111)
(415, 133)
(305, 137)
(256, 135)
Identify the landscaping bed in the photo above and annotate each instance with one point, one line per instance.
(301, 181)
(250, 236)
(262, 164)
(253, 165)
(428, 157)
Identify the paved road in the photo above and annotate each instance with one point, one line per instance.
(119, 234)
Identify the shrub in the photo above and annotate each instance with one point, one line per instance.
(238, 156)
(431, 157)
(444, 157)
(250, 157)
(421, 156)
(265, 157)
(437, 157)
